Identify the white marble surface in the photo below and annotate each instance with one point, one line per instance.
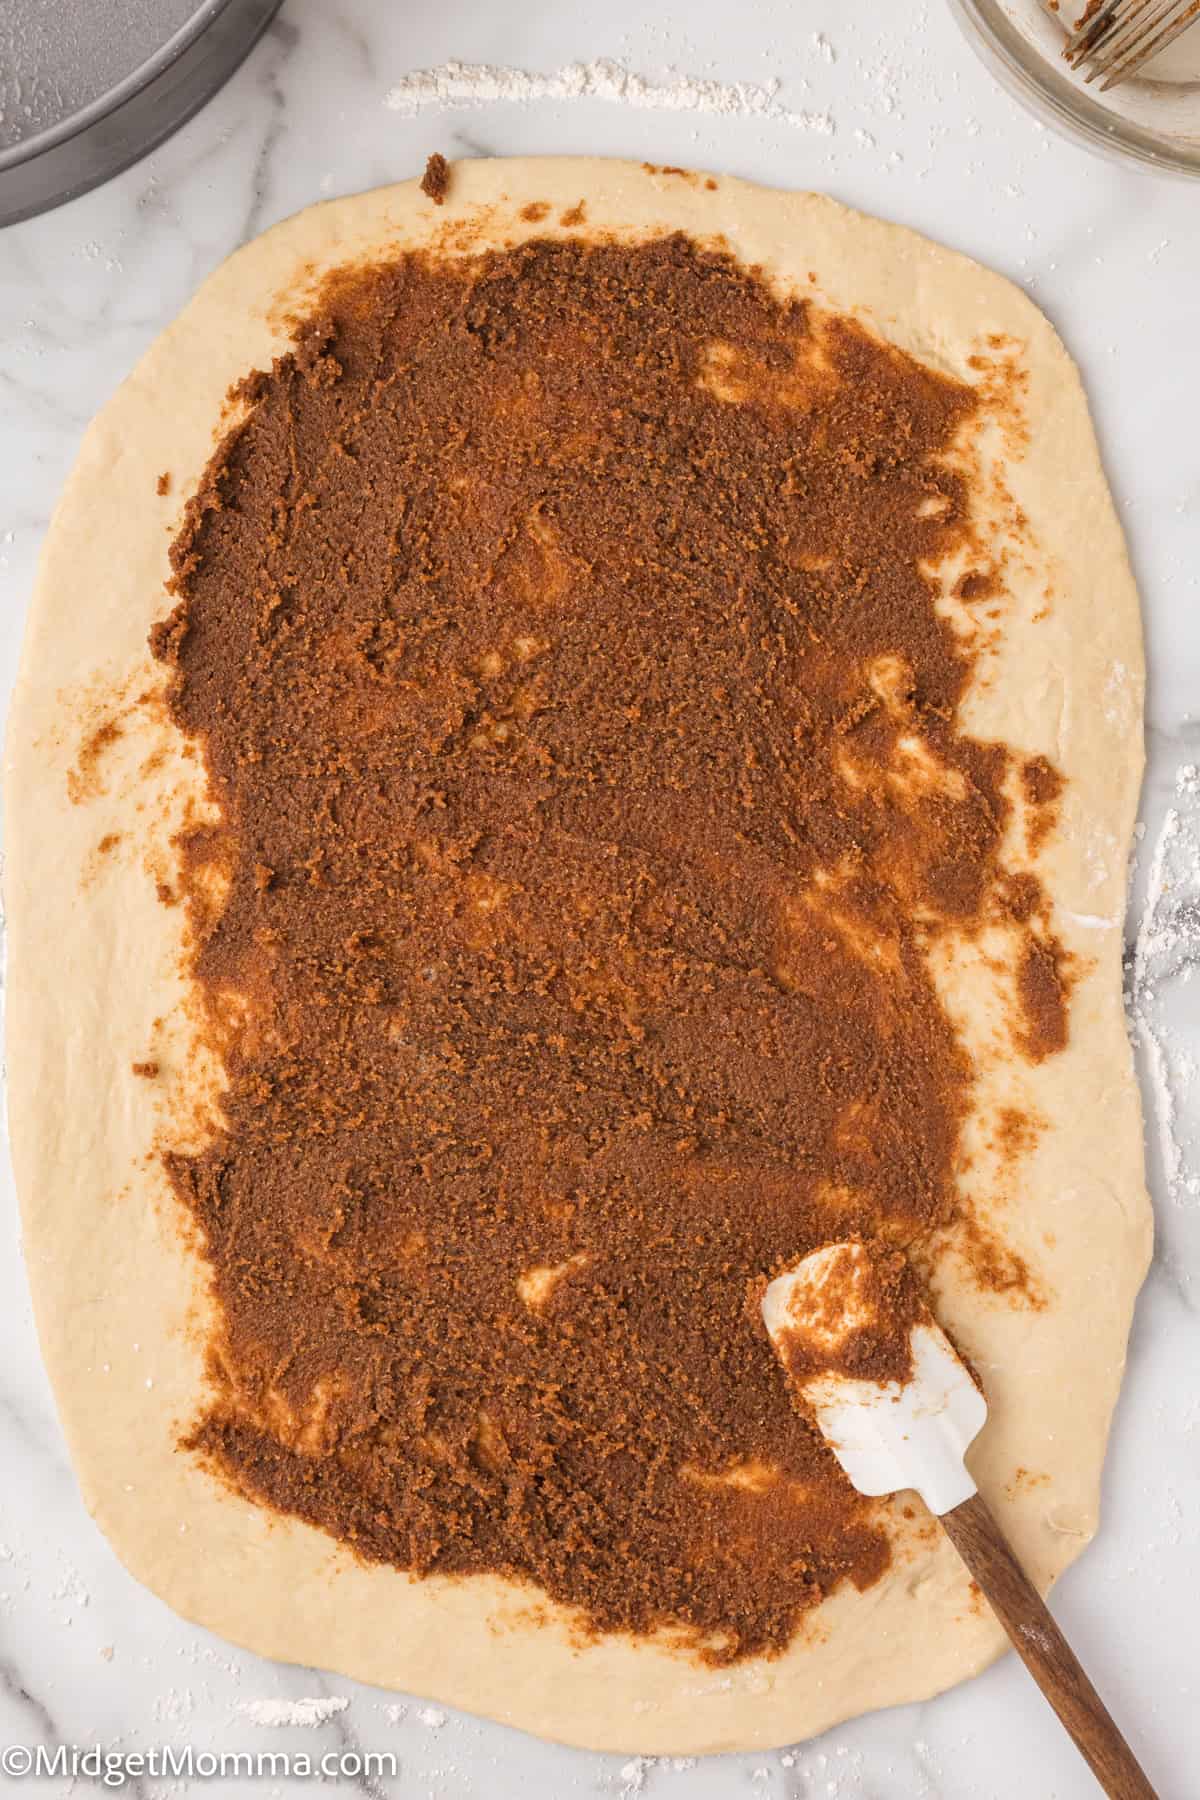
(922, 135)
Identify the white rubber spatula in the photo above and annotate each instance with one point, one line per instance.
(913, 1432)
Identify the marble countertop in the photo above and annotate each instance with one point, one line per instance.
(915, 130)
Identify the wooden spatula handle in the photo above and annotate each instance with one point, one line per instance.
(1044, 1650)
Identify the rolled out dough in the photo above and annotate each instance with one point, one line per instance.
(96, 784)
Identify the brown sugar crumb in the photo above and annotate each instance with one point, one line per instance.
(1024, 1479)
(148, 1070)
(108, 842)
(166, 637)
(1041, 781)
(1016, 1133)
(163, 484)
(976, 584)
(574, 215)
(436, 178)
(165, 893)
(993, 1265)
(1042, 786)
(593, 975)
(1043, 990)
(84, 779)
(535, 211)
(1021, 897)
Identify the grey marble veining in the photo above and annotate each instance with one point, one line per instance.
(923, 136)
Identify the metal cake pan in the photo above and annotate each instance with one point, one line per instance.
(89, 86)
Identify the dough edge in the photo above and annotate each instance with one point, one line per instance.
(113, 1301)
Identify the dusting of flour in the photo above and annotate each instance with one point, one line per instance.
(292, 1712)
(1166, 952)
(459, 84)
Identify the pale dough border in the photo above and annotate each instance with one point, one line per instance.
(93, 953)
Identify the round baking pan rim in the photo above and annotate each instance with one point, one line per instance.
(103, 139)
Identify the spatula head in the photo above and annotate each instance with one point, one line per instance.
(892, 1398)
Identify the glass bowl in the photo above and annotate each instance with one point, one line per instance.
(1151, 121)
